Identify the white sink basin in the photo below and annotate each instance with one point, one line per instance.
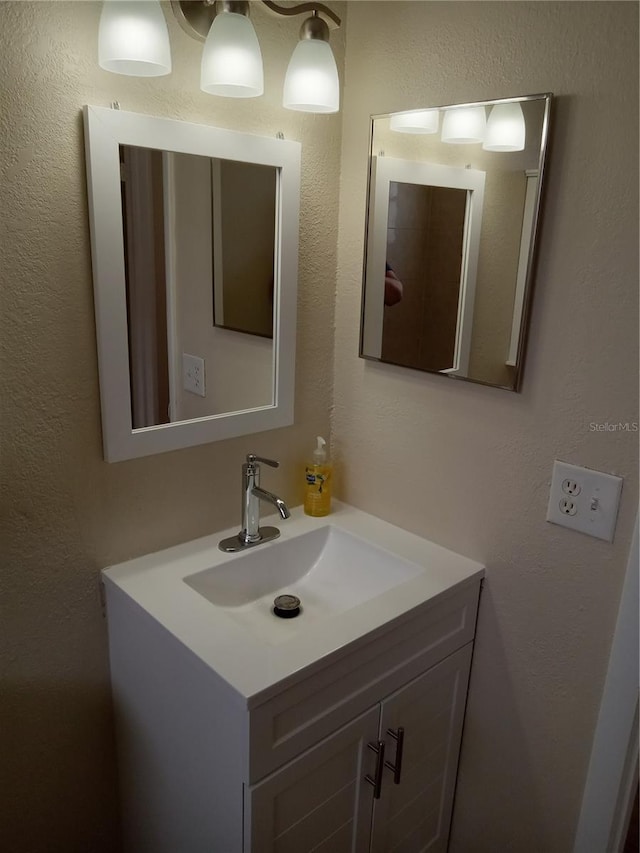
(328, 569)
(355, 575)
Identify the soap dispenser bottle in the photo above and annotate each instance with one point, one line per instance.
(317, 496)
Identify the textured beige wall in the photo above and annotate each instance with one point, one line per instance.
(465, 465)
(470, 466)
(65, 512)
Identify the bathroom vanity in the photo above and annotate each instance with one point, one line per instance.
(337, 730)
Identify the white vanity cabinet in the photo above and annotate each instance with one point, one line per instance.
(205, 769)
(327, 800)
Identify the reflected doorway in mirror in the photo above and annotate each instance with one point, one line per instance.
(425, 241)
(199, 243)
(425, 224)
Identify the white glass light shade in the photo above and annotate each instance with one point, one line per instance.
(231, 59)
(422, 121)
(505, 128)
(464, 125)
(133, 38)
(311, 83)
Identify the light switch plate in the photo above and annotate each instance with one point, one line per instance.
(584, 500)
(193, 374)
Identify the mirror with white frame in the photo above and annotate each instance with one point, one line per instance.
(194, 234)
(452, 215)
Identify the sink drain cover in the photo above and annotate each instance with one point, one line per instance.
(286, 606)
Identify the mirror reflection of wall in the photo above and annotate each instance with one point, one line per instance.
(177, 232)
(419, 329)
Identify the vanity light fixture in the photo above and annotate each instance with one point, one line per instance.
(505, 128)
(231, 58)
(464, 125)
(311, 83)
(133, 40)
(418, 121)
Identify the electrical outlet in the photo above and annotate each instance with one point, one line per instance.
(584, 500)
(571, 487)
(193, 374)
(568, 507)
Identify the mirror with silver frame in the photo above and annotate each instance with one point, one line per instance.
(452, 215)
(194, 234)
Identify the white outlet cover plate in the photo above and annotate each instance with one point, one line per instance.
(193, 374)
(584, 500)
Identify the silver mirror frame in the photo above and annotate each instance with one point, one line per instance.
(533, 243)
(105, 130)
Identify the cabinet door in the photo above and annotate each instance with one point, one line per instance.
(320, 801)
(414, 815)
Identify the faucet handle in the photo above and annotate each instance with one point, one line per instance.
(252, 459)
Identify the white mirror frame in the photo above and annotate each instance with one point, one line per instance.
(107, 129)
(384, 171)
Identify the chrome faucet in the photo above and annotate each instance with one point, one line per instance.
(251, 532)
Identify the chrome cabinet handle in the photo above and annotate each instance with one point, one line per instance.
(376, 782)
(396, 769)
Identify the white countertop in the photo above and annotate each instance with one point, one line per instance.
(252, 667)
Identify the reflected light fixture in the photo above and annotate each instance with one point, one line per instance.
(505, 128)
(418, 121)
(464, 125)
(133, 40)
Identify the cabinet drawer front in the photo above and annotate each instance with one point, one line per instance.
(294, 720)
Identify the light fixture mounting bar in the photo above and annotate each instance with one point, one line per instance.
(302, 8)
(196, 16)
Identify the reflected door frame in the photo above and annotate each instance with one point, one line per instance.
(145, 292)
(173, 349)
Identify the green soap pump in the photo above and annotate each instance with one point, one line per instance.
(317, 496)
